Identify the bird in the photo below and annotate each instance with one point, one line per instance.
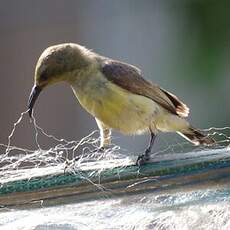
(116, 94)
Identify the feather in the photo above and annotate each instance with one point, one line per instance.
(130, 78)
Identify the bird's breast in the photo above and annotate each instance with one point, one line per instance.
(114, 106)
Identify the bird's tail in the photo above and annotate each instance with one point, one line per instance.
(196, 137)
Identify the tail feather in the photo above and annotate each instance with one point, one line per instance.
(181, 109)
(196, 137)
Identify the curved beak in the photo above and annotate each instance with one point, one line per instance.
(33, 97)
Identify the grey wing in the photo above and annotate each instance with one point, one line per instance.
(130, 78)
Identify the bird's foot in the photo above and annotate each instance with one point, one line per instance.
(143, 158)
(101, 149)
(68, 164)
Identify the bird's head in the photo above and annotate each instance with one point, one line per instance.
(57, 64)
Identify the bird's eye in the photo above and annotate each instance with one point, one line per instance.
(44, 77)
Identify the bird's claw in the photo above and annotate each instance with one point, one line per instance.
(101, 149)
(67, 164)
(70, 163)
(142, 159)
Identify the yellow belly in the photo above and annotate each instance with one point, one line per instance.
(116, 107)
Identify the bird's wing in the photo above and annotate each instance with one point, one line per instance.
(130, 78)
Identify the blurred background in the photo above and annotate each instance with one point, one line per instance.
(184, 46)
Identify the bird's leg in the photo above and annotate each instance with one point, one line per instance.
(105, 136)
(142, 159)
(148, 151)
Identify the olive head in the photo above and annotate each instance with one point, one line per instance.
(56, 64)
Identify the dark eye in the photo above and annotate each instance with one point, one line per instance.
(44, 76)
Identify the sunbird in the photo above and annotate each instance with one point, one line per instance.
(115, 94)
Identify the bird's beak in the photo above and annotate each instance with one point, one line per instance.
(33, 97)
